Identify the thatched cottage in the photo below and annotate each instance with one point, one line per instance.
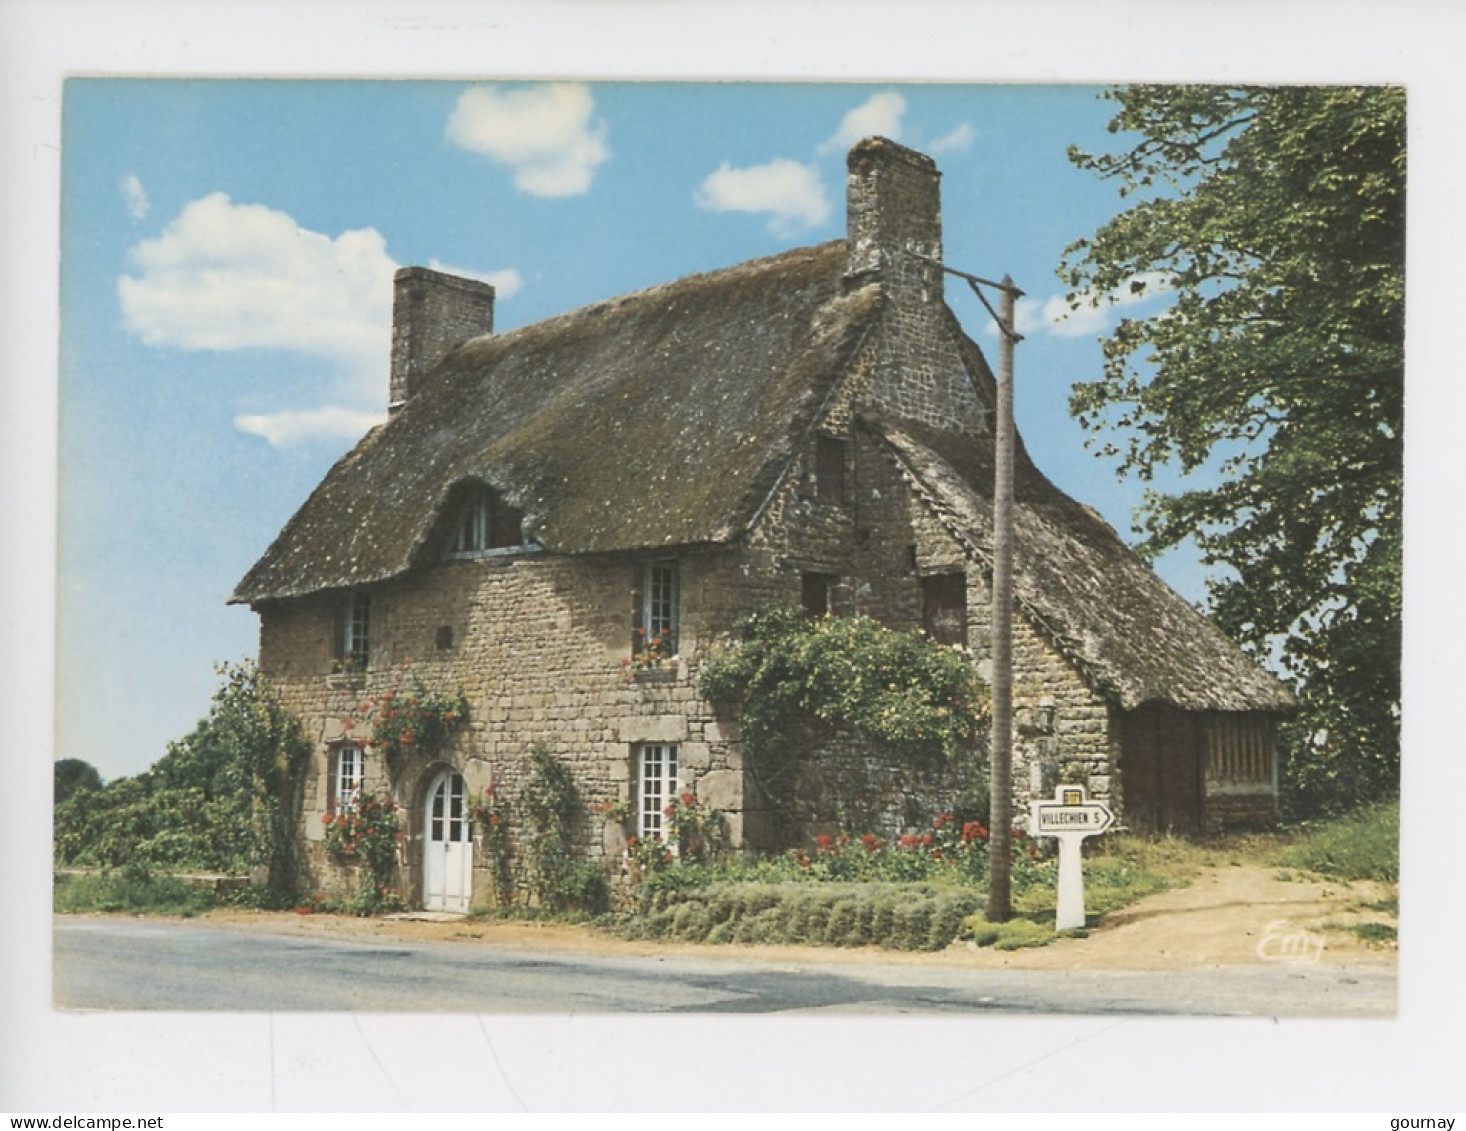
(812, 428)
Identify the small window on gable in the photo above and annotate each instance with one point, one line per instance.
(351, 633)
(817, 593)
(347, 775)
(829, 469)
(944, 607)
(484, 521)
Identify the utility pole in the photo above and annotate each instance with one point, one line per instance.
(1000, 837)
(1000, 787)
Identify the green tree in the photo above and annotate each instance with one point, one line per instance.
(221, 798)
(74, 776)
(1273, 222)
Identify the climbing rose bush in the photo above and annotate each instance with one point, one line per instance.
(402, 722)
(368, 833)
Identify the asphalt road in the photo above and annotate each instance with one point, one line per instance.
(126, 964)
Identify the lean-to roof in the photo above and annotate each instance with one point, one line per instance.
(663, 418)
(1104, 608)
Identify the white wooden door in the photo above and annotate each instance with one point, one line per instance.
(448, 846)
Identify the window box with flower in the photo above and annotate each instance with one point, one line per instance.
(347, 673)
(653, 658)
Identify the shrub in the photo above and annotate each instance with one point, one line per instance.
(221, 799)
(898, 688)
(902, 917)
(369, 832)
(133, 889)
(1376, 934)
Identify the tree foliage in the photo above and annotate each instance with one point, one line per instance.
(1272, 220)
(73, 776)
(220, 799)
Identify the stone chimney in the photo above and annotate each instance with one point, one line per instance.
(431, 314)
(894, 240)
(893, 213)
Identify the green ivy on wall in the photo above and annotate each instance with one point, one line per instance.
(901, 689)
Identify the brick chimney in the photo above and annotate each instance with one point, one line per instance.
(894, 239)
(431, 314)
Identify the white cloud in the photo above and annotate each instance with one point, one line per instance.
(1092, 317)
(137, 199)
(226, 276)
(789, 192)
(960, 138)
(506, 283)
(332, 423)
(544, 133)
(879, 114)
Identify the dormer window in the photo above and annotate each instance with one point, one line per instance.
(483, 522)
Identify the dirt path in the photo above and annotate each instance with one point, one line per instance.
(1228, 916)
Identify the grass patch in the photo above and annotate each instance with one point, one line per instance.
(1376, 934)
(1015, 934)
(1362, 846)
(130, 890)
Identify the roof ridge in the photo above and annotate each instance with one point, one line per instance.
(555, 323)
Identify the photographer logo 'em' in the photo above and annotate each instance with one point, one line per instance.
(1279, 943)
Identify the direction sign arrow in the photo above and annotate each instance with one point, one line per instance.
(1090, 817)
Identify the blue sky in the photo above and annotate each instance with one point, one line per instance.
(227, 252)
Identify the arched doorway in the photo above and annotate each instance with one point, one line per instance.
(447, 845)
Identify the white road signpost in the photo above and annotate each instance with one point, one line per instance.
(1070, 817)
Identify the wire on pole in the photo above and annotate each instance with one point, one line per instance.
(977, 282)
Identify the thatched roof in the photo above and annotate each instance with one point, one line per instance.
(669, 417)
(663, 418)
(1105, 609)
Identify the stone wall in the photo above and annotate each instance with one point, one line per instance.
(536, 644)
